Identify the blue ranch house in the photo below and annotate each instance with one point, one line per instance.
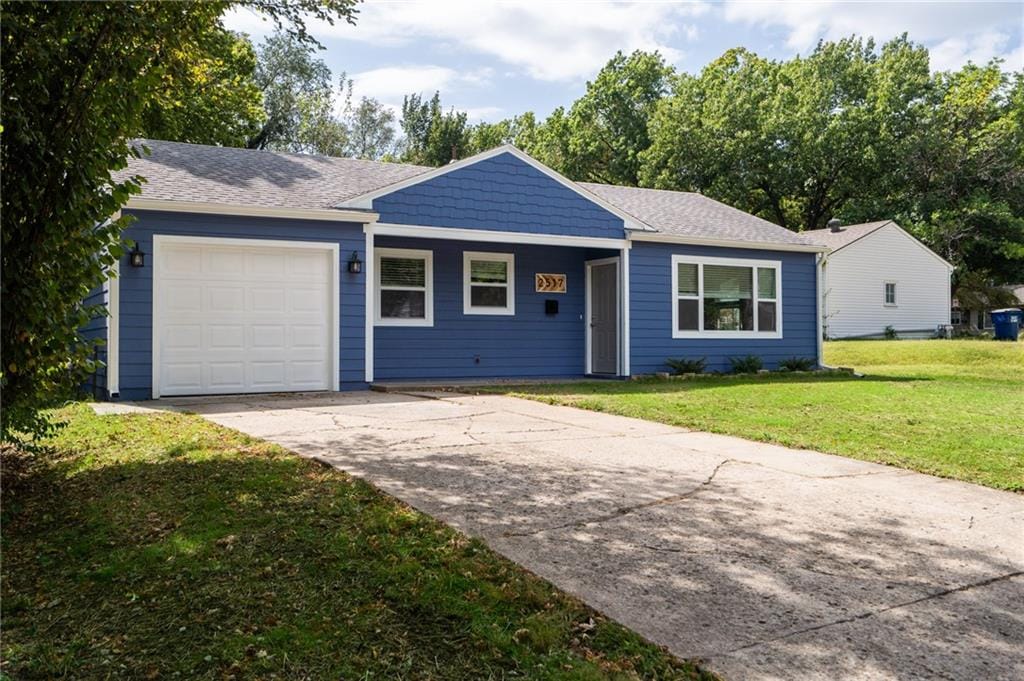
(259, 271)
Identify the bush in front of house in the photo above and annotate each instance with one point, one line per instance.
(683, 365)
(890, 333)
(797, 364)
(750, 364)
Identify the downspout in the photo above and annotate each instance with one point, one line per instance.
(819, 267)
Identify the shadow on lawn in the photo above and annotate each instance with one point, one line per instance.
(721, 572)
(266, 565)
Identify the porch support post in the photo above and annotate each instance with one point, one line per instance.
(624, 278)
(370, 273)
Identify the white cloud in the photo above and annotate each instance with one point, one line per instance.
(551, 41)
(955, 32)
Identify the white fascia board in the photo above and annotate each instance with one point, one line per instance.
(365, 201)
(660, 237)
(330, 214)
(493, 236)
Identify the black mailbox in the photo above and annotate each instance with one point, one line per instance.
(550, 307)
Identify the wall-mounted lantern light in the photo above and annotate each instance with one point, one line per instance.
(136, 257)
(355, 265)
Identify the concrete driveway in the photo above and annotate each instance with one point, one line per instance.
(764, 561)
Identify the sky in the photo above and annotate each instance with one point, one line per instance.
(498, 59)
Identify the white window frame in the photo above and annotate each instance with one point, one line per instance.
(700, 261)
(885, 294)
(428, 288)
(510, 285)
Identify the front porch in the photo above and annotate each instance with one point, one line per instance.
(473, 305)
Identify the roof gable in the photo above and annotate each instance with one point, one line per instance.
(504, 159)
(851, 234)
(499, 192)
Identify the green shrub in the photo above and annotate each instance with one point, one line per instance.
(797, 364)
(890, 333)
(686, 366)
(750, 364)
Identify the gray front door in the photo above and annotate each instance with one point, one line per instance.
(604, 318)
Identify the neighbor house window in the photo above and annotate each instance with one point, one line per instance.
(488, 283)
(890, 293)
(956, 316)
(725, 297)
(404, 280)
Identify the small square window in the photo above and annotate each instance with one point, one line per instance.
(488, 283)
(890, 293)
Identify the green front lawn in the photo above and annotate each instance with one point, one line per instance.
(166, 547)
(950, 408)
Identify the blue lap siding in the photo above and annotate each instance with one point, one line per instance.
(651, 302)
(529, 344)
(96, 330)
(500, 193)
(136, 341)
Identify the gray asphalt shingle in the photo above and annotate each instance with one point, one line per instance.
(191, 172)
(846, 235)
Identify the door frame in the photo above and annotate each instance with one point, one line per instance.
(589, 265)
(332, 248)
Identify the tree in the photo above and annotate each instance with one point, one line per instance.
(433, 137)
(371, 128)
(297, 97)
(212, 99)
(794, 142)
(75, 82)
(607, 128)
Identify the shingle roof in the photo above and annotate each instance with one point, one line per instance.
(687, 214)
(846, 235)
(193, 172)
(197, 173)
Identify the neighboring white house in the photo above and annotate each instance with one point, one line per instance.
(876, 276)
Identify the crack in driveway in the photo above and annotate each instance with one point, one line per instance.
(626, 510)
(879, 611)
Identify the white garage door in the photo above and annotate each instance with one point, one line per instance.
(243, 316)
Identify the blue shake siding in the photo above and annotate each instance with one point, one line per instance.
(529, 344)
(137, 285)
(651, 301)
(499, 193)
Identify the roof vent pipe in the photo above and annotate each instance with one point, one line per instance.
(834, 225)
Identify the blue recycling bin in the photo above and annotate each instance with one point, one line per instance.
(1006, 323)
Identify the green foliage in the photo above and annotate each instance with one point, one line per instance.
(790, 141)
(749, 364)
(297, 98)
(890, 333)
(433, 137)
(210, 98)
(797, 364)
(76, 82)
(682, 366)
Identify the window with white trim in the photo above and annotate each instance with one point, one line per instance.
(890, 293)
(726, 297)
(404, 287)
(488, 283)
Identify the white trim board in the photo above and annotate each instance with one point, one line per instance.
(661, 237)
(334, 305)
(114, 330)
(365, 201)
(203, 207)
(492, 236)
(368, 282)
(700, 332)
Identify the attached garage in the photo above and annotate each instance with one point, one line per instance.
(244, 316)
